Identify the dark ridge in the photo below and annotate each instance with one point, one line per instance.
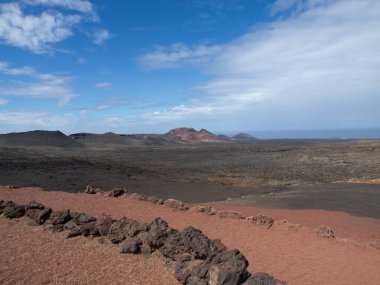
(38, 138)
(244, 137)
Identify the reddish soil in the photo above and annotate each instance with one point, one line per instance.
(290, 251)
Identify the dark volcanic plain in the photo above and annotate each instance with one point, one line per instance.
(275, 173)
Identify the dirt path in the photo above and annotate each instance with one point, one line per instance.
(294, 254)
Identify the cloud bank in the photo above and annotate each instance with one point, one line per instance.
(323, 59)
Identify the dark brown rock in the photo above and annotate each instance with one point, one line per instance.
(60, 217)
(13, 211)
(117, 192)
(116, 232)
(131, 245)
(82, 218)
(228, 267)
(103, 224)
(4, 204)
(38, 212)
(261, 278)
(155, 236)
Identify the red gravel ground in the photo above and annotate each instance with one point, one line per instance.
(290, 251)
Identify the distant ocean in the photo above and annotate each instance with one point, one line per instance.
(316, 134)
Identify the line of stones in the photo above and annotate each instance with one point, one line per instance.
(194, 258)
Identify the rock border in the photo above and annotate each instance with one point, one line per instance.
(193, 257)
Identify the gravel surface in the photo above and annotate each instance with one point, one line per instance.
(290, 251)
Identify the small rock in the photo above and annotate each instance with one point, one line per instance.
(206, 209)
(117, 192)
(104, 223)
(130, 245)
(4, 204)
(82, 218)
(261, 278)
(60, 217)
(176, 204)
(325, 232)
(228, 267)
(38, 212)
(261, 220)
(91, 190)
(12, 211)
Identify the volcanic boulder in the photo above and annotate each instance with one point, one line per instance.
(37, 212)
(104, 223)
(117, 192)
(12, 210)
(262, 278)
(228, 267)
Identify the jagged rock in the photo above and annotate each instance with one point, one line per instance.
(13, 211)
(122, 228)
(130, 245)
(228, 267)
(91, 190)
(104, 223)
(4, 204)
(206, 209)
(82, 218)
(117, 192)
(262, 278)
(86, 229)
(325, 232)
(38, 212)
(155, 236)
(60, 217)
(261, 220)
(189, 240)
(57, 228)
(175, 204)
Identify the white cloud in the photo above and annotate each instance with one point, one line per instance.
(78, 5)
(3, 101)
(102, 85)
(177, 55)
(31, 32)
(23, 27)
(81, 60)
(325, 59)
(100, 36)
(36, 85)
(283, 5)
(26, 120)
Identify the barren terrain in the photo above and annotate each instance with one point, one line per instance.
(289, 250)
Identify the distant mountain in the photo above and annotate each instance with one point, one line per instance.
(244, 137)
(174, 136)
(191, 136)
(37, 138)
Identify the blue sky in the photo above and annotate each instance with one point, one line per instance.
(228, 65)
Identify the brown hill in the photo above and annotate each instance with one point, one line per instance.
(191, 136)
